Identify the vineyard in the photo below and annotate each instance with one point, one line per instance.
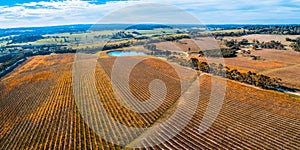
(38, 109)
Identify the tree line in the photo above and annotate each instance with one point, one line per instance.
(296, 43)
(24, 38)
(251, 78)
(223, 52)
(261, 29)
(268, 45)
(9, 65)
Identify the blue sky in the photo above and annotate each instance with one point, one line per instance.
(21, 13)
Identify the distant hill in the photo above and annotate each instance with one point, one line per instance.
(148, 27)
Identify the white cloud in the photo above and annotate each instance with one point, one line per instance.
(150, 13)
(239, 11)
(56, 12)
(213, 11)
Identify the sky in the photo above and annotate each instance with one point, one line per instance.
(26, 13)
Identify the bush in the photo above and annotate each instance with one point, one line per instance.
(219, 53)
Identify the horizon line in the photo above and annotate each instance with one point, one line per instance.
(203, 24)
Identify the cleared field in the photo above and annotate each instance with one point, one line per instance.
(282, 56)
(274, 63)
(288, 72)
(41, 113)
(195, 45)
(245, 64)
(265, 38)
(289, 75)
(133, 48)
(66, 38)
(229, 31)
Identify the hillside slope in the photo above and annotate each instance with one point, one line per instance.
(38, 110)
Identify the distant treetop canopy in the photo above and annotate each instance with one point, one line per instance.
(148, 27)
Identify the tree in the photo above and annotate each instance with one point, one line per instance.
(195, 63)
(203, 66)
